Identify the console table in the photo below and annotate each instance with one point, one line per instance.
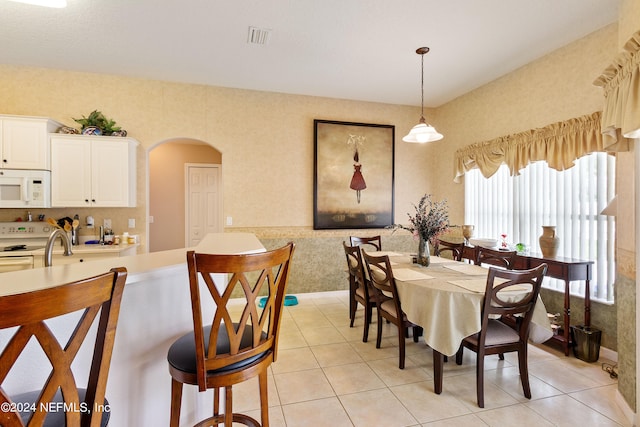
(566, 269)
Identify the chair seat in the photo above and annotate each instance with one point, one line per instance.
(182, 353)
(497, 334)
(390, 307)
(360, 293)
(56, 414)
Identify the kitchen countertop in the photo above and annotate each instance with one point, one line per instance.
(139, 267)
(79, 249)
(87, 249)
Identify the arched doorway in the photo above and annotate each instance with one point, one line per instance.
(167, 207)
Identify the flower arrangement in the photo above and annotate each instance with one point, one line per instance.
(430, 220)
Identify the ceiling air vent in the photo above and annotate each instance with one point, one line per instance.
(259, 36)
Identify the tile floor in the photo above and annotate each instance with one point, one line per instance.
(326, 376)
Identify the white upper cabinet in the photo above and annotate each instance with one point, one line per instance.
(24, 142)
(96, 171)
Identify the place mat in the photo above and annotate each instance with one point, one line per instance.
(387, 253)
(480, 285)
(407, 274)
(473, 285)
(470, 269)
(440, 260)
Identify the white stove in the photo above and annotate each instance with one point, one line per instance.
(17, 240)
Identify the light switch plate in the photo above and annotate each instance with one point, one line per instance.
(229, 220)
(106, 223)
(132, 223)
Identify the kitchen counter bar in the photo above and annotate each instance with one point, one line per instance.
(155, 310)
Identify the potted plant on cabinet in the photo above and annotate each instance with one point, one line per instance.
(97, 124)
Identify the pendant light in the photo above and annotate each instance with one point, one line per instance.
(422, 132)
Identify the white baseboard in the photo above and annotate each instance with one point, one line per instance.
(609, 354)
(626, 409)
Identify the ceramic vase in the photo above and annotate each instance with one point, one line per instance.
(424, 256)
(467, 232)
(549, 242)
(92, 130)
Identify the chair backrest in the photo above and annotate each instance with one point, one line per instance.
(512, 293)
(504, 259)
(251, 326)
(374, 241)
(27, 312)
(444, 246)
(356, 267)
(381, 278)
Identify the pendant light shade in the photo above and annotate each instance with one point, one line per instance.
(422, 132)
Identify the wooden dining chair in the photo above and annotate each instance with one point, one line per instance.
(92, 303)
(496, 337)
(234, 345)
(361, 288)
(495, 257)
(442, 246)
(390, 308)
(375, 242)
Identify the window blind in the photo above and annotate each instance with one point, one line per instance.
(572, 200)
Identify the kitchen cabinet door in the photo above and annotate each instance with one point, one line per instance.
(113, 173)
(70, 172)
(93, 171)
(24, 142)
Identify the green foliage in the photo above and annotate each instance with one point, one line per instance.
(96, 118)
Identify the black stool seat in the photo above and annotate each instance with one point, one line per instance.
(56, 408)
(182, 353)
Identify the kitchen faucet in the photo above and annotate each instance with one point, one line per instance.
(48, 249)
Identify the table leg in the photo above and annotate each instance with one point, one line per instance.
(567, 317)
(438, 367)
(587, 304)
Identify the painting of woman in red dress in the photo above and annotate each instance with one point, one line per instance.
(357, 181)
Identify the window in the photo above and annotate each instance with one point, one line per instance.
(571, 200)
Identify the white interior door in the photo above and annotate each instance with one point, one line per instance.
(203, 201)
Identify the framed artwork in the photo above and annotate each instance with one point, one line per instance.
(353, 175)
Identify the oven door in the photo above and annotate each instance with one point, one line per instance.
(15, 263)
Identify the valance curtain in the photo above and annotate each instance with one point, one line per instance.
(621, 84)
(559, 144)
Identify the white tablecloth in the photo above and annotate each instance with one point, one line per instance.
(446, 298)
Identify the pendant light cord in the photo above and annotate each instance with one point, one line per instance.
(422, 90)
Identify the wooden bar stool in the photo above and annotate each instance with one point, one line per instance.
(235, 344)
(61, 402)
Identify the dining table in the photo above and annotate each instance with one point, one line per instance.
(446, 300)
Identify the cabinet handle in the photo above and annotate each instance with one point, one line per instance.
(86, 200)
(4, 160)
(93, 200)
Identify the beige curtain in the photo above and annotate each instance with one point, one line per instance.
(559, 144)
(621, 84)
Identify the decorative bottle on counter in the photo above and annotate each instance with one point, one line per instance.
(549, 242)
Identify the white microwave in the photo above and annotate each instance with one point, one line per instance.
(25, 188)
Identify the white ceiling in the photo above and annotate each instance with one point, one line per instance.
(353, 49)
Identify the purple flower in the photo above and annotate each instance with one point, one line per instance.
(431, 219)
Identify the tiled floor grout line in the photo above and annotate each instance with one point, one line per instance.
(327, 313)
